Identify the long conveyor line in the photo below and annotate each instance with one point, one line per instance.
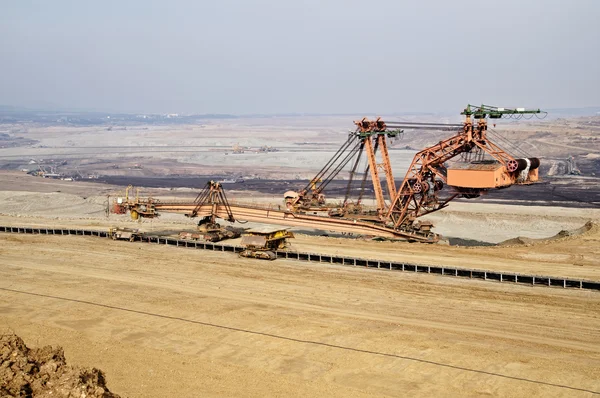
(497, 276)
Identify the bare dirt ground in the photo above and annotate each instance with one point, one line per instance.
(569, 257)
(171, 322)
(43, 372)
(163, 321)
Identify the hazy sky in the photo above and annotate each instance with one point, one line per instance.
(317, 56)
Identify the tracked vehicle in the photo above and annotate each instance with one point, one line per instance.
(264, 242)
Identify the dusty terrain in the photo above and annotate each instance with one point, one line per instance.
(43, 372)
(172, 322)
(164, 321)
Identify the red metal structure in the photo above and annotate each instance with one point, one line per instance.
(419, 192)
(429, 184)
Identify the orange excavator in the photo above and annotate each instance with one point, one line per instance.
(429, 184)
(421, 192)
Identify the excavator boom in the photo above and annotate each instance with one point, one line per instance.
(429, 184)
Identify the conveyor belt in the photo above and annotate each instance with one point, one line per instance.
(469, 273)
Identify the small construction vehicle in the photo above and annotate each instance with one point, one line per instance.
(263, 242)
(213, 234)
(211, 231)
(121, 233)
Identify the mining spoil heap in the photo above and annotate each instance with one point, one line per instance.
(43, 372)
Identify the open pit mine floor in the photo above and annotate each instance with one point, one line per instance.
(162, 321)
(574, 257)
(379, 264)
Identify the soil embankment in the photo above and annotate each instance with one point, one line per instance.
(43, 372)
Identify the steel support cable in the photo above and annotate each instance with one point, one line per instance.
(331, 161)
(508, 143)
(226, 204)
(363, 183)
(340, 166)
(423, 124)
(511, 146)
(359, 166)
(201, 199)
(327, 166)
(353, 171)
(201, 195)
(229, 211)
(417, 127)
(336, 156)
(325, 181)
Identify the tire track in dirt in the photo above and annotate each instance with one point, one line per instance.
(154, 280)
(318, 343)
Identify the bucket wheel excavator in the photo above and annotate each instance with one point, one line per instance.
(433, 179)
(430, 183)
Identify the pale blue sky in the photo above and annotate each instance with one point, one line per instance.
(278, 56)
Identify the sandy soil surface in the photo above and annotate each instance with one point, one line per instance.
(569, 257)
(162, 321)
(43, 372)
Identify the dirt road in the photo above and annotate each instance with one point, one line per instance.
(569, 257)
(162, 321)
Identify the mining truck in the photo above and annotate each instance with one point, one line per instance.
(262, 243)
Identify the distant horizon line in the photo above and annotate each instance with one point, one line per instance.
(19, 108)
